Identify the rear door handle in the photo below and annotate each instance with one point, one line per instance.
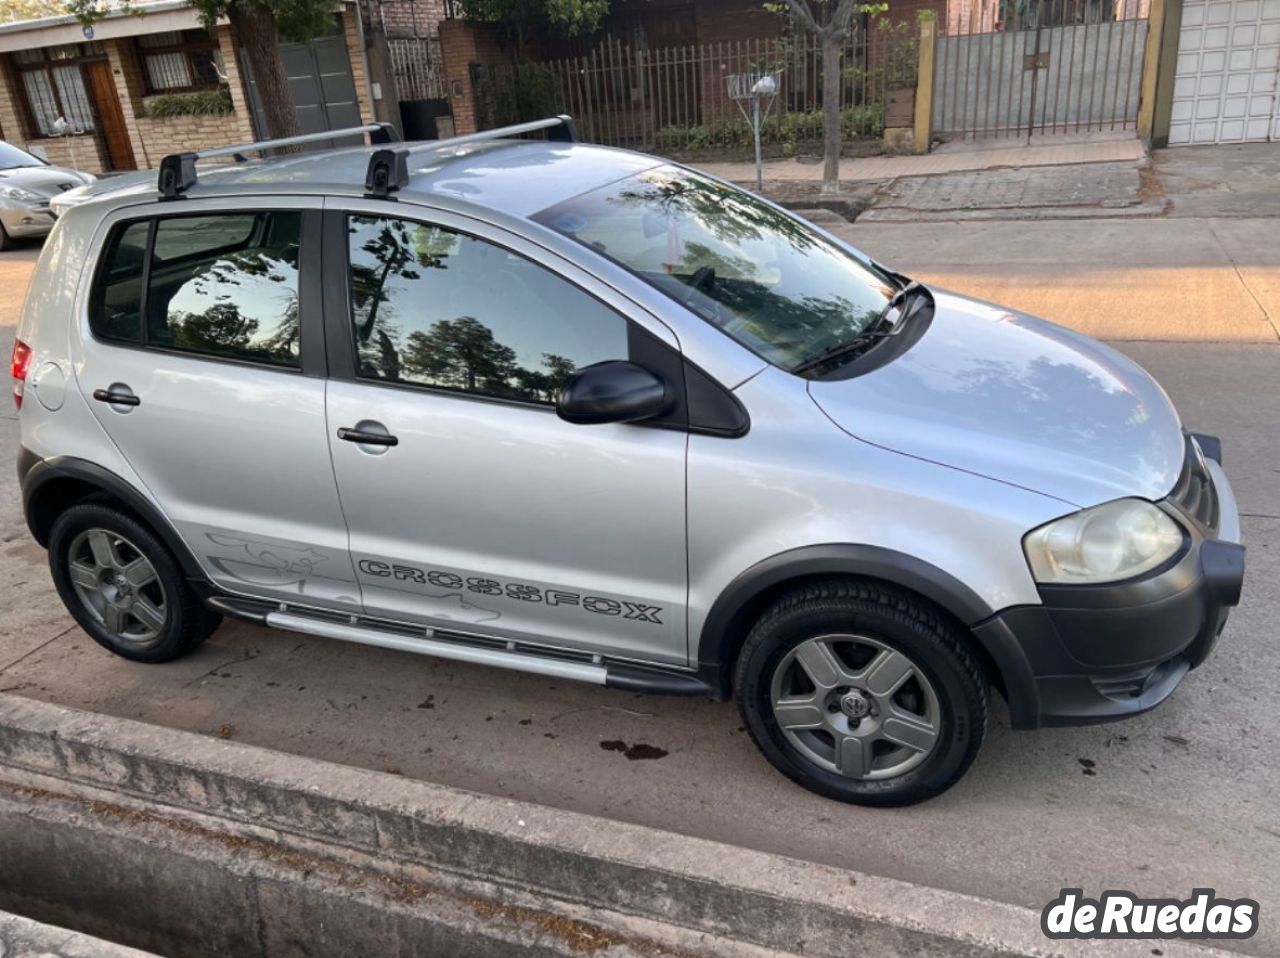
(116, 398)
(367, 438)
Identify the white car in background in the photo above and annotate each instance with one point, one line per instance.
(27, 184)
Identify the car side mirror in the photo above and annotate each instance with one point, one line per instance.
(613, 391)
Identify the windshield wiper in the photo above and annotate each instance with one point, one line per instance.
(877, 329)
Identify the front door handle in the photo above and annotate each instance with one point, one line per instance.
(367, 438)
(117, 396)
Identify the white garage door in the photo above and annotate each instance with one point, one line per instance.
(1227, 86)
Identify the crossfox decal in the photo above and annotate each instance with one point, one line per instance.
(518, 591)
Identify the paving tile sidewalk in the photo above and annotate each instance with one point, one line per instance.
(1043, 192)
(953, 159)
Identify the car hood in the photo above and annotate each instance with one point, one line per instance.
(44, 180)
(1019, 400)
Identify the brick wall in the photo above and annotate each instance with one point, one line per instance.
(154, 137)
(355, 53)
(908, 11)
(740, 27)
(10, 109)
(84, 154)
(462, 44)
(411, 18)
(735, 20)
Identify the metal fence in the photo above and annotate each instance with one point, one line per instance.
(676, 99)
(1023, 67)
(418, 67)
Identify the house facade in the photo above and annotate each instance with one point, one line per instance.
(139, 85)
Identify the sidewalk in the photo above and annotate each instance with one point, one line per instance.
(949, 158)
(202, 847)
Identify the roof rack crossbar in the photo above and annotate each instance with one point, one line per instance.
(178, 172)
(382, 133)
(560, 128)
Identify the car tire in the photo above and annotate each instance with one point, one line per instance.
(123, 586)
(862, 692)
(6, 241)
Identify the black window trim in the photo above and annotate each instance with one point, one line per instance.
(311, 333)
(341, 348)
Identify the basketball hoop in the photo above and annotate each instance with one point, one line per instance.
(755, 89)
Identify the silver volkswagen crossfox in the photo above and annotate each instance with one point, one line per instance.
(594, 415)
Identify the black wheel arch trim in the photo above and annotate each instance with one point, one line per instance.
(36, 474)
(730, 617)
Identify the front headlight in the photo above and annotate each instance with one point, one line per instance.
(19, 194)
(1116, 540)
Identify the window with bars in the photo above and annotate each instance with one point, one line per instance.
(180, 60)
(54, 86)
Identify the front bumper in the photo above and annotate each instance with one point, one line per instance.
(26, 222)
(1099, 653)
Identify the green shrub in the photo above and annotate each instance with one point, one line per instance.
(205, 103)
(514, 93)
(787, 130)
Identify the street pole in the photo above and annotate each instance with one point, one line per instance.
(755, 123)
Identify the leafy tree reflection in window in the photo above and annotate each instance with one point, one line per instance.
(227, 285)
(437, 308)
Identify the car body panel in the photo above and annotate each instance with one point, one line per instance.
(1019, 400)
(797, 480)
(236, 453)
(498, 497)
(503, 519)
(23, 218)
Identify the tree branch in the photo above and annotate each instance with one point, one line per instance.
(840, 19)
(801, 9)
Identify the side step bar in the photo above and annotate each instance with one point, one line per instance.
(577, 671)
(477, 650)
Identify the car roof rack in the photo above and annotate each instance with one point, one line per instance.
(388, 169)
(178, 170)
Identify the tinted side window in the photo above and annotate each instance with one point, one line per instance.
(115, 309)
(226, 285)
(437, 308)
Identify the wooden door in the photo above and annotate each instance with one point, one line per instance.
(106, 102)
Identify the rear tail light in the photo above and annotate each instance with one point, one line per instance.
(21, 366)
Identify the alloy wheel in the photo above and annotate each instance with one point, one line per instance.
(855, 706)
(118, 586)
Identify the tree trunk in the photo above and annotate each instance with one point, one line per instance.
(257, 31)
(832, 83)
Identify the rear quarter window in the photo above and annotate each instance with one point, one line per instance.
(217, 285)
(115, 308)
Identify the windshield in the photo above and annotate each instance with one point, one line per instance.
(764, 277)
(12, 157)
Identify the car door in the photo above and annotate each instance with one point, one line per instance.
(490, 515)
(201, 354)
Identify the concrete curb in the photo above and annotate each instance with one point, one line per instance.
(759, 900)
(22, 938)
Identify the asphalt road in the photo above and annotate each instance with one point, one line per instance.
(1180, 798)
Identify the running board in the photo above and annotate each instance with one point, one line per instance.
(578, 671)
(478, 650)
